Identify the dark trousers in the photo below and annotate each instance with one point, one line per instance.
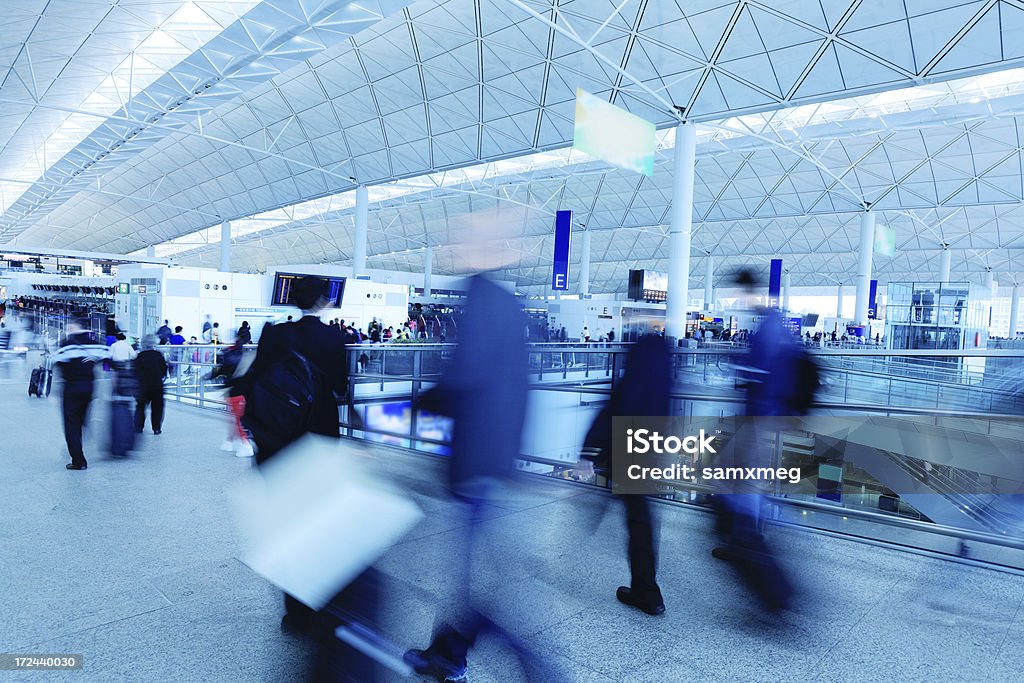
(154, 397)
(642, 556)
(75, 406)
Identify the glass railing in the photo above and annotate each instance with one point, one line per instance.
(956, 516)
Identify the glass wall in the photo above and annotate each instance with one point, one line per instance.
(932, 315)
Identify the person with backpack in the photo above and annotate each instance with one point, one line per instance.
(779, 378)
(292, 389)
(297, 375)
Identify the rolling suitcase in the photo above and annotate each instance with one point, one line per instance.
(122, 427)
(40, 381)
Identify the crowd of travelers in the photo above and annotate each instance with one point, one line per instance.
(293, 383)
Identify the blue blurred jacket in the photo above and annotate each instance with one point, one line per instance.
(769, 369)
(484, 388)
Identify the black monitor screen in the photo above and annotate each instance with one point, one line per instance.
(284, 295)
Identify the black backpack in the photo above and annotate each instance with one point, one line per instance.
(279, 402)
(806, 382)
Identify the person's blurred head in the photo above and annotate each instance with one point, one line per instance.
(192, 340)
(178, 329)
(485, 240)
(311, 293)
(748, 282)
(120, 336)
(245, 324)
(149, 342)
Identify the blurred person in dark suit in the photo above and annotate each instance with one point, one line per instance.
(76, 359)
(484, 391)
(303, 363)
(769, 375)
(643, 391)
(322, 347)
(150, 370)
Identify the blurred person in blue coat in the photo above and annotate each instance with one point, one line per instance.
(484, 392)
(769, 375)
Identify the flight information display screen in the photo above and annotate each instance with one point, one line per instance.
(284, 290)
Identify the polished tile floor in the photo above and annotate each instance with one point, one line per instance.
(132, 564)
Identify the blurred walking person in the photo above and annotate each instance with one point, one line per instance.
(232, 368)
(486, 401)
(775, 389)
(76, 359)
(292, 389)
(643, 391)
(150, 371)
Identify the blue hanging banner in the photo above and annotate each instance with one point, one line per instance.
(872, 296)
(560, 271)
(775, 283)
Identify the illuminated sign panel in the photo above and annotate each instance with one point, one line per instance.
(613, 134)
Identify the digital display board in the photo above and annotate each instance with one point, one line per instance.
(285, 296)
(648, 285)
(613, 134)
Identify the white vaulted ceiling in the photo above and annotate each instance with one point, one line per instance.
(807, 109)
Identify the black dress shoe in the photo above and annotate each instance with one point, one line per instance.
(72, 466)
(299, 626)
(157, 431)
(625, 596)
(725, 553)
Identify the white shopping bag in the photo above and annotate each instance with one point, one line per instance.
(313, 518)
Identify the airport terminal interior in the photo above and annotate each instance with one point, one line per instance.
(511, 340)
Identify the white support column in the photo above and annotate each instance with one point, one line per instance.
(359, 239)
(225, 247)
(990, 282)
(680, 231)
(785, 291)
(151, 251)
(428, 270)
(1014, 311)
(585, 264)
(709, 283)
(867, 245)
(839, 302)
(945, 263)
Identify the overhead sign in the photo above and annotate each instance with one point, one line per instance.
(613, 134)
(123, 288)
(885, 240)
(648, 285)
(775, 283)
(560, 270)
